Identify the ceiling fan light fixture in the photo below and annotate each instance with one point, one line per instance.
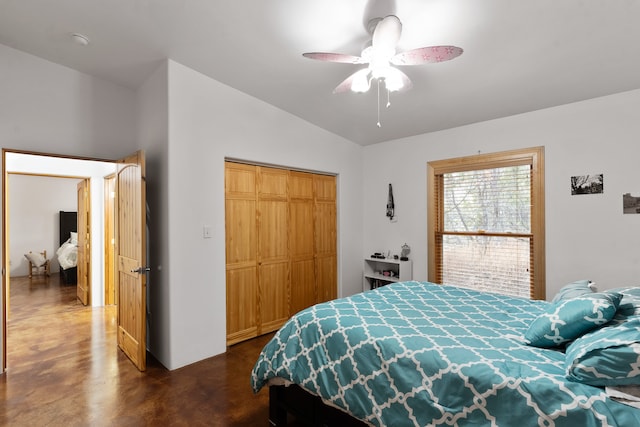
(361, 81)
(393, 79)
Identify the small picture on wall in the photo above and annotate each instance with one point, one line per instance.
(587, 184)
(630, 204)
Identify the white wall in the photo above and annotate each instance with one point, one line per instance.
(587, 236)
(153, 135)
(53, 109)
(49, 108)
(209, 122)
(35, 203)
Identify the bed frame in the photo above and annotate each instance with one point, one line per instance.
(306, 408)
(68, 223)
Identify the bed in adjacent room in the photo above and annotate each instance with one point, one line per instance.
(67, 253)
(418, 354)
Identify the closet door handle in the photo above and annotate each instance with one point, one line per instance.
(141, 270)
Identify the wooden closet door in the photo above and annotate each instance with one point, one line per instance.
(273, 248)
(241, 252)
(280, 246)
(301, 206)
(325, 237)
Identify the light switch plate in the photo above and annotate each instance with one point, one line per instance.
(206, 232)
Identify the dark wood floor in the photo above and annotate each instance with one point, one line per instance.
(64, 368)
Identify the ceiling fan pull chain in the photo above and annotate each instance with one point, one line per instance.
(378, 103)
(388, 98)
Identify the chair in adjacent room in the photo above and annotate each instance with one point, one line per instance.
(39, 264)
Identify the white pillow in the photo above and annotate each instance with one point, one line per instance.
(74, 238)
(36, 259)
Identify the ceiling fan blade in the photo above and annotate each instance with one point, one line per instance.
(334, 57)
(387, 34)
(424, 55)
(345, 86)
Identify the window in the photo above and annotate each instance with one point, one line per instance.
(486, 222)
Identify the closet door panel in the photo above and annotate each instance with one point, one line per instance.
(274, 296)
(240, 226)
(325, 229)
(273, 183)
(302, 245)
(303, 284)
(273, 214)
(325, 188)
(240, 180)
(303, 281)
(327, 278)
(301, 185)
(273, 248)
(240, 214)
(241, 252)
(273, 229)
(273, 262)
(242, 291)
(325, 237)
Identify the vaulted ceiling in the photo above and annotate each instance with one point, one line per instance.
(519, 56)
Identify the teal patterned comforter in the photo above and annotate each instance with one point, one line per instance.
(420, 354)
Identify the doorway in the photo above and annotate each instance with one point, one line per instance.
(51, 165)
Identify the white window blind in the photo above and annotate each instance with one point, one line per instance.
(484, 238)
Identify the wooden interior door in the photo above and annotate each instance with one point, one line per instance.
(84, 243)
(6, 264)
(241, 252)
(303, 276)
(325, 237)
(130, 256)
(273, 249)
(109, 240)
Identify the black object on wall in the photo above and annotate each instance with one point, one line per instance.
(390, 204)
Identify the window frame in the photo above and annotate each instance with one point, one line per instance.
(531, 156)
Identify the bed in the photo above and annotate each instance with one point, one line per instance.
(67, 253)
(418, 354)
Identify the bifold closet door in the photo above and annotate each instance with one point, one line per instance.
(273, 249)
(303, 271)
(280, 246)
(325, 237)
(241, 252)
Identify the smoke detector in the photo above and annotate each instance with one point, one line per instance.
(80, 39)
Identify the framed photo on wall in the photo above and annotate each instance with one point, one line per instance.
(587, 184)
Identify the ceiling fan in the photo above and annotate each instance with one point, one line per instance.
(381, 56)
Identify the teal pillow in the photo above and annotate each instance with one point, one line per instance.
(630, 302)
(568, 319)
(608, 356)
(574, 289)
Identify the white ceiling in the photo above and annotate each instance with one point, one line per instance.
(519, 56)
